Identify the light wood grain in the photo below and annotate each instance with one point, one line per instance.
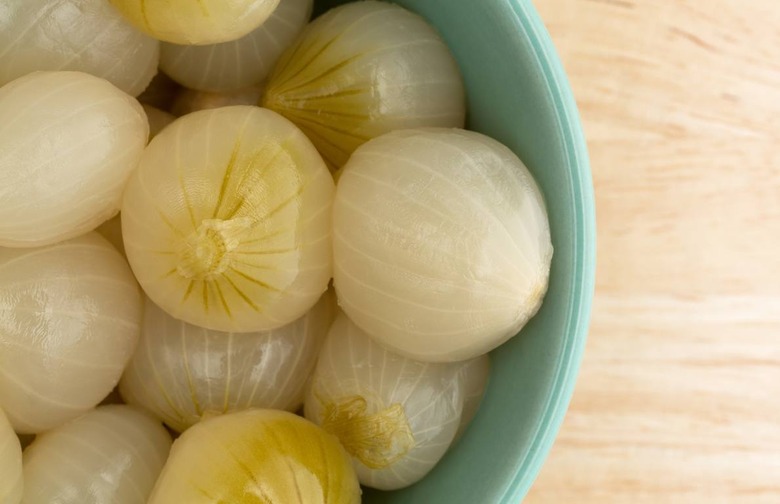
(678, 399)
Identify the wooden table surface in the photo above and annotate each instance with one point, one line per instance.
(678, 398)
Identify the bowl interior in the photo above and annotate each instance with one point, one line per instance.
(518, 94)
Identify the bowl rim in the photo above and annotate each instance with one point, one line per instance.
(530, 26)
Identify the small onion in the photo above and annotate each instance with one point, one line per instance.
(181, 372)
(226, 222)
(396, 417)
(191, 100)
(196, 21)
(68, 142)
(70, 317)
(239, 63)
(90, 36)
(257, 456)
(10, 464)
(364, 69)
(441, 243)
(112, 454)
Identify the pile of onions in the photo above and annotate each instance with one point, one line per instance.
(293, 220)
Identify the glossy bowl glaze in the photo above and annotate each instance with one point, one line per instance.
(518, 93)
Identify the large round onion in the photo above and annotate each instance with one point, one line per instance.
(68, 142)
(196, 21)
(240, 63)
(364, 69)
(181, 372)
(112, 454)
(10, 464)
(86, 35)
(441, 243)
(226, 222)
(262, 456)
(395, 416)
(70, 317)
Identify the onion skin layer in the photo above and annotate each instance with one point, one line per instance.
(442, 245)
(70, 317)
(111, 454)
(226, 222)
(362, 70)
(262, 456)
(68, 143)
(182, 373)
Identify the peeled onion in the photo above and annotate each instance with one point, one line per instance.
(90, 36)
(10, 464)
(196, 21)
(395, 416)
(181, 372)
(68, 142)
(364, 69)
(257, 456)
(240, 63)
(441, 243)
(226, 222)
(70, 319)
(191, 100)
(110, 455)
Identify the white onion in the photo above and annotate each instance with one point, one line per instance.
(394, 415)
(112, 454)
(239, 63)
(70, 318)
(90, 36)
(10, 464)
(181, 372)
(191, 100)
(226, 222)
(441, 243)
(68, 142)
(364, 69)
(257, 456)
(196, 21)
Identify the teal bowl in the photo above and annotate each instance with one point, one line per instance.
(518, 93)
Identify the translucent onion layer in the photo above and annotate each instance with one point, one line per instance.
(10, 464)
(68, 142)
(70, 317)
(239, 63)
(396, 417)
(90, 36)
(441, 243)
(181, 372)
(226, 222)
(262, 456)
(196, 21)
(362, 70)
(112, 454)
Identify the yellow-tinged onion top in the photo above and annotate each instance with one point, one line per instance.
(263, 456)
(364, 69)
